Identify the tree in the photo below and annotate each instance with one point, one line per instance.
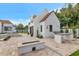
(26, 28)
(69, 16)
(76, 10)
(20, 27)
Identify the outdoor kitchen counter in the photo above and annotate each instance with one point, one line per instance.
(61, 37)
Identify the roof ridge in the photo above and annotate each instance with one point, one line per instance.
(46, 16)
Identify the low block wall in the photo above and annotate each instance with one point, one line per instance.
(75, 35)
(59, 38)
(28, 48)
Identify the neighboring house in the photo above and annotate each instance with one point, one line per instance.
(45, 24)
(6, 27)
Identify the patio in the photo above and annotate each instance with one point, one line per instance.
(9, 48)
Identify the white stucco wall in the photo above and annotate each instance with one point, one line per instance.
(51, 20)
(58, 38)
(7, 25)
(10, 25)
(0, 28)
(43, 29)
(77, 32)
(36, 21)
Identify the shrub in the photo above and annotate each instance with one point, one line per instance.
(61, 30)
(66, 31)
(28, 33)
(74, 33)
(39, 36)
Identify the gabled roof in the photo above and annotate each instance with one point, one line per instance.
(5, 21)
(46, 16)
(34, 16)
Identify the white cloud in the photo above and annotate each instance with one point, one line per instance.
(18, 21)
(27, 21)
(58, 10)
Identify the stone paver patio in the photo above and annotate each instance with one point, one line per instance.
(9, 48)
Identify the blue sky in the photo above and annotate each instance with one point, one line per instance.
(21, 12)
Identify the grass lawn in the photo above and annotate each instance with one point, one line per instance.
(76, 53)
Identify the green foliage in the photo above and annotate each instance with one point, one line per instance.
(39, 36)
(69, 16)
(66, 31)
(76, 53)
(74, 33)
(61, 31)
(26, 29)
(21, 28)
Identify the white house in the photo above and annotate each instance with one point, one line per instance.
(6, 27)
(45, 24)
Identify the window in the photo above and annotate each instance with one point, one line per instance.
(50, 28)
(7, 28)
(41, 28)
